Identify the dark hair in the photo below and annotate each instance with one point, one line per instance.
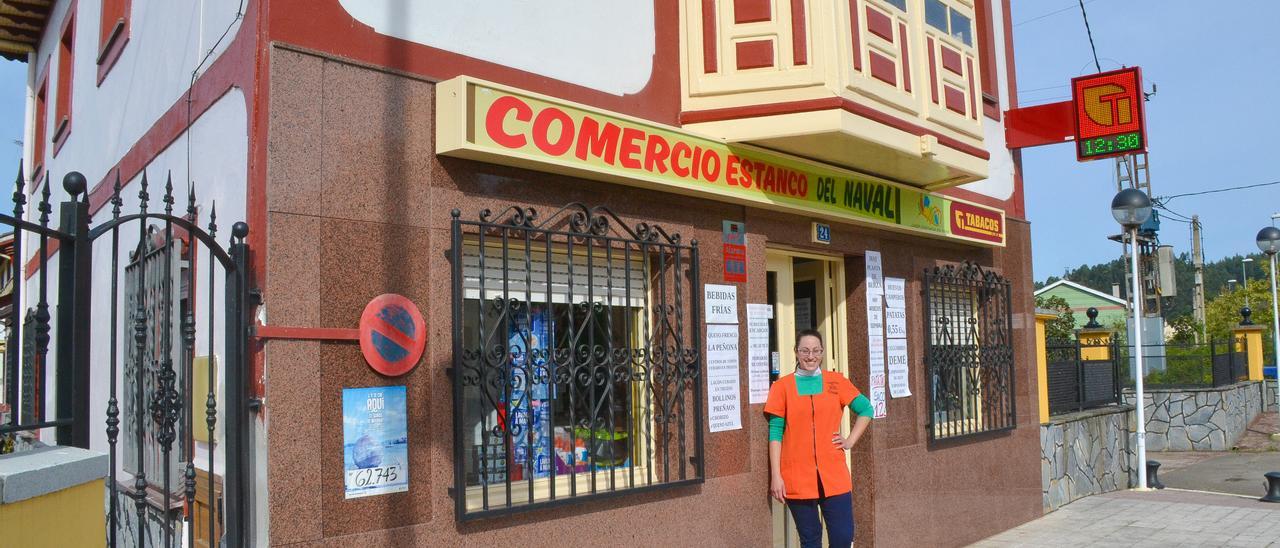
(810, 333)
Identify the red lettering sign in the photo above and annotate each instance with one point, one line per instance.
(976, 222)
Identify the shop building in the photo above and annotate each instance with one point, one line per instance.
(583, 201)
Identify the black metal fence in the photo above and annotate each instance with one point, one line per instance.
(1215, 363)
(161, 434)
(577, 359)
(1082, 376)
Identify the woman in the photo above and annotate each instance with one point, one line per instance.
(807, 465)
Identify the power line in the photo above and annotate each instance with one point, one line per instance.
(1089, 32)
(1167, 199)
(1039, 17)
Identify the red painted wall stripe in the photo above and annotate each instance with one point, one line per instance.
(708, 36)
(933, 74)
(754, 54)
(855, 37)
(799, 34)
(811, 105)
(906, 59)
(883, 68)
(751, 11)
(879, 24)
(307, 333)
(973, 93)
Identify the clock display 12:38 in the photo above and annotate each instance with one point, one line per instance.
(1110, 144)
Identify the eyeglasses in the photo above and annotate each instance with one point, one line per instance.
(809, 351)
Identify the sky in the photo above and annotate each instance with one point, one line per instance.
(1210, 124)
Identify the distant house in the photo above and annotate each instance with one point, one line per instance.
(1111, 309)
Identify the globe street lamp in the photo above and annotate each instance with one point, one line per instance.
(1132, 207)
(1269, 242)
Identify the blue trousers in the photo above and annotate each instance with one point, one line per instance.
(838, 513)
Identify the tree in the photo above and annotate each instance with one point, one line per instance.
(1185, 330)
(1063, 327)
(1223, 312)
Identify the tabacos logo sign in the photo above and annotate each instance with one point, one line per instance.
(975, 222)
(1109, 117)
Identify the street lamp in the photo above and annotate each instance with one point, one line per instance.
(1269, 242)
(1244, 269)
(1132, 207)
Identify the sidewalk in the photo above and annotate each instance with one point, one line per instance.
(1211, 500)
(1156, 518)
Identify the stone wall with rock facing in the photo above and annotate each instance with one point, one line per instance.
(1086, 453)
(1090, 452)
(1201, 419)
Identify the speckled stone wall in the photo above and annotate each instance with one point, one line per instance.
(1086, 453)
(358, 205)
(1202, 419)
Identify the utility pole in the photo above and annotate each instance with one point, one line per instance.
(1197, 259)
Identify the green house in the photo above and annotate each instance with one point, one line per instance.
(1111, 309)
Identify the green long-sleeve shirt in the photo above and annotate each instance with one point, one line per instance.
(808, 385)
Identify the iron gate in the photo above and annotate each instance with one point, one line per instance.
(160, 434)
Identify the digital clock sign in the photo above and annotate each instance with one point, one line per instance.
(1109, 116)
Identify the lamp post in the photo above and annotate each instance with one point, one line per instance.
(1132, 207)
(1269, 242)
(1244, 271)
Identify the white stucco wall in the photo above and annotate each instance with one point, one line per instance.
(999, 184)
(607, 45)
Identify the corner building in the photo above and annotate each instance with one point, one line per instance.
(558, 188)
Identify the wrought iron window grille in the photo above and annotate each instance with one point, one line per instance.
(577, 364)
(968, 351)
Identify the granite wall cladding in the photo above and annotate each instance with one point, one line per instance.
(1201, 419)
(1085, 453)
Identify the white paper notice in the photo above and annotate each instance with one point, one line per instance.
(724, 409)
(895, 323)
(875, 272)
(758, 316)
(804, 313)
(875, 322)
(875, 330)
(721, 303)
(899, 379)
(895, 293)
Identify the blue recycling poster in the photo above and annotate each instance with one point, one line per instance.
(375, 441)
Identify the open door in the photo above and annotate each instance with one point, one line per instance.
(807, 292)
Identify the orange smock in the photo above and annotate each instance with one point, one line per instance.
(807, 451)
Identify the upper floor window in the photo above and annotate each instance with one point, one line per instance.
(113, 34)
(900, 4)
(66, 64)
(942, 17)
(40, 122)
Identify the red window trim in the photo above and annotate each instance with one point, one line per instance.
(66, 78)
(987, 59)
(39, 125)
(112, 44)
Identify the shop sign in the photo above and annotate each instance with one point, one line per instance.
(392, 334)
(1109, 117)
(735, 252)
(484, 121)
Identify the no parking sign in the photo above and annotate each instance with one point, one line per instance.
(392, 334)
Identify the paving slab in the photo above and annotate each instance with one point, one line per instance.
(1167, 517)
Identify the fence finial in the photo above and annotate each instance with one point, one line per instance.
(74, 183)
(1092, 313)
(1246, 316)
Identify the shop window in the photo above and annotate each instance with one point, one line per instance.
(968, 351)
(577, 364)
(66, 65)
(948, 20)
(113, 34)
(154, 281)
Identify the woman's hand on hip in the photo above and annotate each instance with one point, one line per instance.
(776, 489)
(841, 442)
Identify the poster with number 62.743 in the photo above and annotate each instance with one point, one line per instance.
(375, 441)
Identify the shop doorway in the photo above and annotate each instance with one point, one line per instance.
(807, 292)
